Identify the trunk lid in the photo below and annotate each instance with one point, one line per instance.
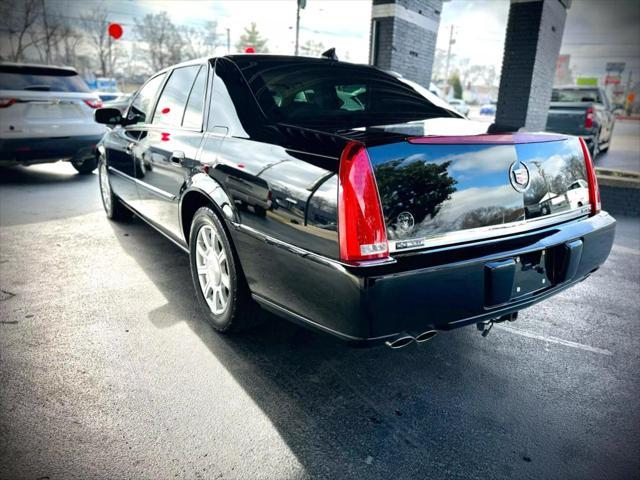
(47, 114)
(568, 117)
(439, 190)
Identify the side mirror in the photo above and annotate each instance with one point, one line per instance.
(108, 116)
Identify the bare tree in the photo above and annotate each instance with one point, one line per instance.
(199, 42)
(69, 39)
(163, 42)
(19, 18)
(96, 26)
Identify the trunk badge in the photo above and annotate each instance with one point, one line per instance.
(519, 176)
(405, 222)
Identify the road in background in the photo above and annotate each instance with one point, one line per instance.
(107, 371)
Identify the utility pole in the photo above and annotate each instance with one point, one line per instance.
(301, 5)
(451, 42)
(228, 41)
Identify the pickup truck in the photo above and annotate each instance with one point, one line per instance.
(583, 111)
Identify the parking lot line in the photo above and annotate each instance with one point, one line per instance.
(559, 341)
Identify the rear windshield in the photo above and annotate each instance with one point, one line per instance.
(341, 94)
(575, 95)
(40, 79)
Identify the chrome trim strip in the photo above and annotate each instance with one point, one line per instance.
(484, 233)
(336, 264)
(156, 228)
(151, 188)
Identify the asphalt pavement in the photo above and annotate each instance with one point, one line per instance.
(107, 371)
(624, 152)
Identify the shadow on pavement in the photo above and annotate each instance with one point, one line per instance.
(46, 192)
(457, 407)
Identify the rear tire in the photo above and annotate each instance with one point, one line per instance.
(86, 166)
(112, 205)
(221, 289)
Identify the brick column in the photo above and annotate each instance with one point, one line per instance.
(403, 37)
(532, 45)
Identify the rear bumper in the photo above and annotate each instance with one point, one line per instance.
(438, 289)
(28, 151)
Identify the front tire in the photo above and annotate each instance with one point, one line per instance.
(221, 289)
(112, 205)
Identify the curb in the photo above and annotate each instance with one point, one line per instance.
(619, 191)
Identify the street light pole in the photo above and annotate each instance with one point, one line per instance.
(301, 5)
(228, 41)
(451, 42)
(297, 29)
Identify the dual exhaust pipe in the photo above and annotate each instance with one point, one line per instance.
(405, 339)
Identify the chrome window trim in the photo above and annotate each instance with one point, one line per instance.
(483, 233)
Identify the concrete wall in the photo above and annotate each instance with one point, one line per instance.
(403, 37)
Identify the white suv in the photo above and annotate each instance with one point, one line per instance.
(46, 115)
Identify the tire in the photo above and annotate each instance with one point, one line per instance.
(221, 289)
(86, 166)
(112, 205)
(595, 148)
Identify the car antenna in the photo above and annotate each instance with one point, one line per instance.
(330, 54)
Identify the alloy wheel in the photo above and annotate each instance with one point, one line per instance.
(213, 269)
(105, 187)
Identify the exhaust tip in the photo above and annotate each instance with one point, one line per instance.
(426, 336)
(400, 341)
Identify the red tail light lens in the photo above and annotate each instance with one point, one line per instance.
(588, 120)
(594, 190)
(94, 103)
(361, 226)
(7, 102)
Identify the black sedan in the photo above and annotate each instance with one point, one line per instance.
(348, 200)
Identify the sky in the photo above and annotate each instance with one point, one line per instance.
(596, 31)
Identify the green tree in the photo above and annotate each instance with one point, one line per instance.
(251, 38)
(454, 81)
(417, 187)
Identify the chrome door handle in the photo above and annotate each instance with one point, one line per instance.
(177, 157)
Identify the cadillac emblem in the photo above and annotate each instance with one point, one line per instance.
(519, 176)
(405, 222)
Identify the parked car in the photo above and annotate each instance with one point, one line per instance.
(488, 109)
(287, 196)
(584, 111)
(460, 105)
(46, 114)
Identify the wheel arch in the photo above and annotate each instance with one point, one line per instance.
(204, 191)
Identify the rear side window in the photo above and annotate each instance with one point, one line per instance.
(172, 103)
(142, 104)
(40, 79)
(320, 92)
(195, 104)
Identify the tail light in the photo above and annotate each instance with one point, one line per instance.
(361, 226)
(594, 191)
(93, 102)
(588, 120)
(6, 102)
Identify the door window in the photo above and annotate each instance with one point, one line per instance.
(173, 100)
(195, 104)
(140, 109)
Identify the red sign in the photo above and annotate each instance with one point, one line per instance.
(249, 50)
(115, 30)
(609, 80)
